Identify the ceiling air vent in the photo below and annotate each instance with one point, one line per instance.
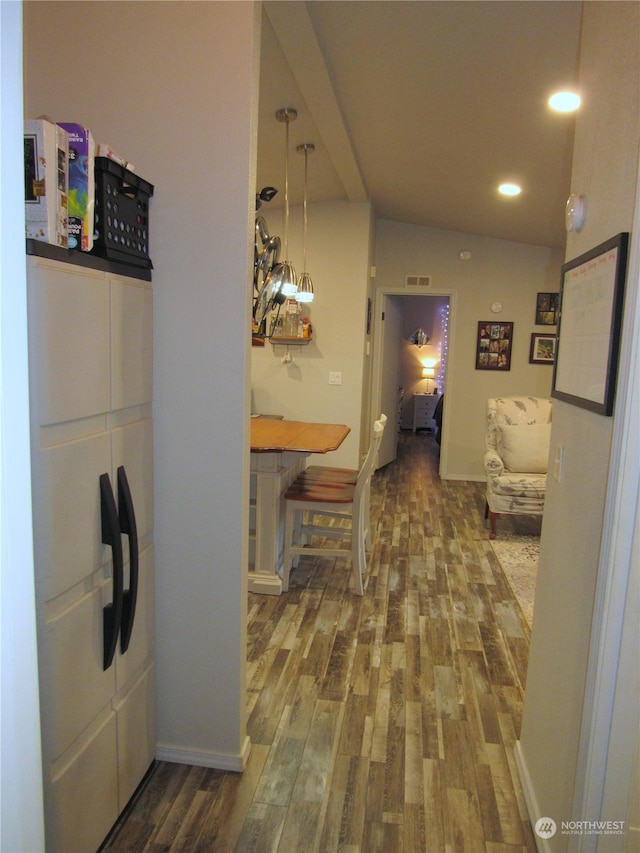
(417, 281)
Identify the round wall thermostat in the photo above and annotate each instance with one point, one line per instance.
(574, 213)
(496, 307)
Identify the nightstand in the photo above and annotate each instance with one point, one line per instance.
(424, 405)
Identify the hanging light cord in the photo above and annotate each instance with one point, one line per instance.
(286, 189)
(304, 210)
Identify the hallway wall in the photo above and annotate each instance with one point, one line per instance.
(153, 81)
(511, 273)
(300, 390)
(605, 170)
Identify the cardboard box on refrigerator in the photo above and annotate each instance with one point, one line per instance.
(46, 181)
(82, 190)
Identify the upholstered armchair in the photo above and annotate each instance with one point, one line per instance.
(516, 456)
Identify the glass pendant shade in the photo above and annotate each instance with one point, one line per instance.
(288, 279)
(281, 282)
(305, 285)
(305, 288)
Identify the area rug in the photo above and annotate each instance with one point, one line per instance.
(518, 558)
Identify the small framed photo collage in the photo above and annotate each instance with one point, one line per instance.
(493, 351)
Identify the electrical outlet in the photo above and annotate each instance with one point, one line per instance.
(335, 378)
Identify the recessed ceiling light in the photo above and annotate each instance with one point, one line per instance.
(564, 102)
(509, 189)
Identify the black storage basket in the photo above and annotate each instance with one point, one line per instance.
(121, 214)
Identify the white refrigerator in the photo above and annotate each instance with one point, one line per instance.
(90, 376)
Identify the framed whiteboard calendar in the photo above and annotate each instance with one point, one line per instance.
(589, 324)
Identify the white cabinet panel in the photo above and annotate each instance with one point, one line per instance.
(142, 640)
(133, 448)
(67, 521)
(76, 687)
(136, 714)
(131, 343)
(90, 350)
(69, 334)
(74, 826)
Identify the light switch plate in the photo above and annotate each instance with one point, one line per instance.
(558, 462)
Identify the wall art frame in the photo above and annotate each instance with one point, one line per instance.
(547, 309)
(589, 325)
(543, 348)
(493, 347)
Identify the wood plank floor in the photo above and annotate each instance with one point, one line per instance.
(383, 723)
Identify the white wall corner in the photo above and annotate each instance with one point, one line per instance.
(530, 799)
(233, 762)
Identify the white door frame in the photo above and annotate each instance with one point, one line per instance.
(376, 374)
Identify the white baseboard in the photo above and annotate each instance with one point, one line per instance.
(199, 758)
(531, 801)
(267, 584)
(472, 478)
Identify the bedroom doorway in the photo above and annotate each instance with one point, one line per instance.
(399, 381)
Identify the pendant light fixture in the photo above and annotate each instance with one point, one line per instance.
(305, 285)
(282, 281)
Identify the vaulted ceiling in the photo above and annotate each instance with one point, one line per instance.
(424, 107)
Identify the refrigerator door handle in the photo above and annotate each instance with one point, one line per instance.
(111, 535)
(128, 526)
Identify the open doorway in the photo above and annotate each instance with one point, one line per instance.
(409, 378)
(423, 366)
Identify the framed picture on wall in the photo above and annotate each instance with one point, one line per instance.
(547, 309)
(589, 326)
(543, 349)
(493, 349)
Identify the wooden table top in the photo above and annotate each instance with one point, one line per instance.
(277, 436)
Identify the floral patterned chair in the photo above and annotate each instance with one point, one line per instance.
(516, 456)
